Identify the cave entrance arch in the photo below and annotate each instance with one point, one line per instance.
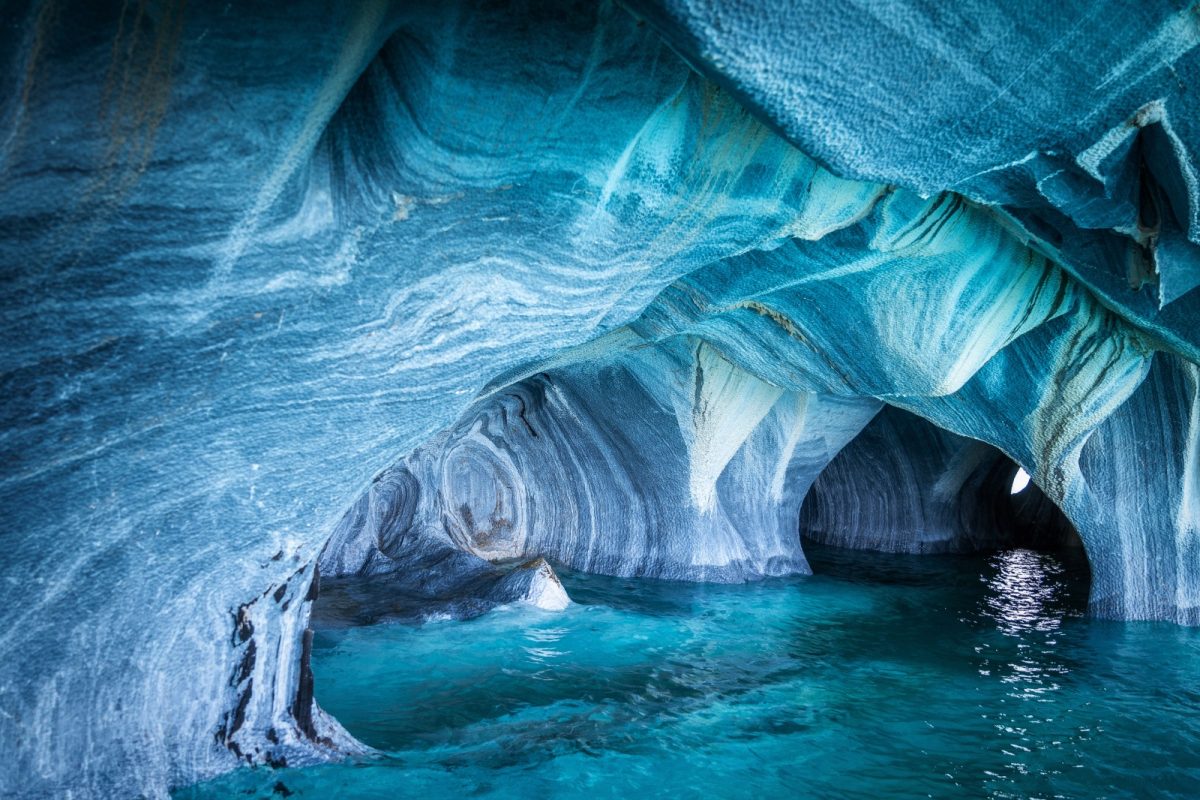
(904, 485)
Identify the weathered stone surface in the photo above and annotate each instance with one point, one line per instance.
(253, 258)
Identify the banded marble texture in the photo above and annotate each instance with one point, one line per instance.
(663, 463)
(254, 257)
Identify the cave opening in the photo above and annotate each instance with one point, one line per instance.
(969, 623)
(905, 485)
(467, 631)
(905, 490)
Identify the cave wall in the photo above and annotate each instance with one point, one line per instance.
(252, 256)
(1138, 489)
(665, 462)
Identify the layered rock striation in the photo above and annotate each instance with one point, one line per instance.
(263, 265)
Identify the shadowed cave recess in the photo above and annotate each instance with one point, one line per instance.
(407, 306)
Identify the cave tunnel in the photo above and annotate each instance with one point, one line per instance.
(904, 485)
(672, 463)
(497, 510)
(514, 482)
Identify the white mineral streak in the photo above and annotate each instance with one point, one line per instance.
(727, 403)
(407, 288)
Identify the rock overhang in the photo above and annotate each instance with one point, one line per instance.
(252, 260)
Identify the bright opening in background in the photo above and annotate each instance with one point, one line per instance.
(1020, 481)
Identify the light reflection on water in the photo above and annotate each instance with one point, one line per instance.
(1023, 590)
(885, 676)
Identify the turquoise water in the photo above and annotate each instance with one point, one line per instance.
(882, 676)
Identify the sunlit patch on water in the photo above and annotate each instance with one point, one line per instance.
(1023, 588)
(882, 676)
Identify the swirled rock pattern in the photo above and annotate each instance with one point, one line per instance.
(253, 258)
(1083, 130)
(666, 463)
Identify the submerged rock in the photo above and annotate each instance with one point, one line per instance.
(436, 586)
(533, 582)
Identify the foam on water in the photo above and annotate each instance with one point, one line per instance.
(880, 676)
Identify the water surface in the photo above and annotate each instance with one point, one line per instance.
(881, 676)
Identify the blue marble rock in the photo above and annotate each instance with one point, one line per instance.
(1075, 119)
(665, 462)
(290, 289)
